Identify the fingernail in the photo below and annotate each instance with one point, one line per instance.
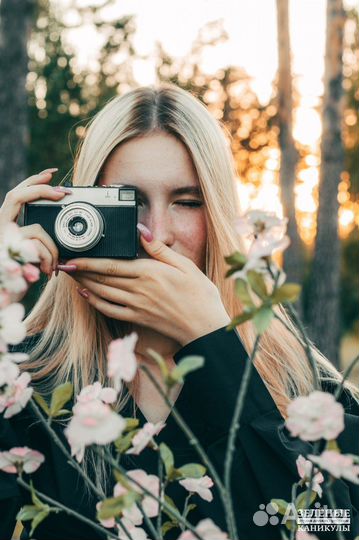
(66, 267)
(146, 233)
(62, 189)
(51, 170)
(82, 292)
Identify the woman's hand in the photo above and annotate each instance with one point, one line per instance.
(33, 188)
(168, 293)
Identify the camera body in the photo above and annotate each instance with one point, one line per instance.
(92, 221)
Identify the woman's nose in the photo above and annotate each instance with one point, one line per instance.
(160, 225)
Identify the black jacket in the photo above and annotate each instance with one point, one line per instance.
(263, 467)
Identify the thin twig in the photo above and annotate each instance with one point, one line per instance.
(148, 521)
(346, 374)
(108, 457)
(63, 449)
(68, 511)
(235, 426)
(197, 446)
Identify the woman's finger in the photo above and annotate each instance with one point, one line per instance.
(111, 294)
(15, 198)
(40, 178)
(35, 231)
(113, 267)
(126, 283)
(113, 311)
(45, 257)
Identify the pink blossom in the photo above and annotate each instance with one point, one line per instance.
(30, 272)
(152, 483)
(5, 298)
(267, 245)
(207, 530)
(338, 465)
(12, 329)
(96, 391)
(21, 459)
(16, 395)
(122, 363)
(18, 246)
(136, 533)
(93, 422)
(315, 417)
(8, 372)
(200, 486)
(144, 436)
(304, 467)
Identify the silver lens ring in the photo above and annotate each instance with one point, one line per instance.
(64, 225)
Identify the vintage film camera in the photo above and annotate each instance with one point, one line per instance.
(92, 221)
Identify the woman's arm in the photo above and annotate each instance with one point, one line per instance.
(264, 465)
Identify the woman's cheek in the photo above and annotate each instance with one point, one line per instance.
(191, 236)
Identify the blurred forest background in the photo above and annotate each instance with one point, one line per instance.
(47, 97)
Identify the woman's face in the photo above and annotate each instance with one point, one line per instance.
(170, 199)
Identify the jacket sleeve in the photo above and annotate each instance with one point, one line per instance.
(264, 464)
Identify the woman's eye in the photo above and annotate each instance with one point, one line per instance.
(191, 204)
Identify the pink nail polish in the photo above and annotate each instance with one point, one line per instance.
(146, 233)
(82, 292)
(62, 189)
(66, 267)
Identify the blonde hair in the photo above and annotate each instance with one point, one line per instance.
(75, 337)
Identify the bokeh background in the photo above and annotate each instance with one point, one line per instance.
(282, 76)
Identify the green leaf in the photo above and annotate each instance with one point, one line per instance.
(61, 395)
(114, 506)
(300, 501)
(289, 292)
(41, 402)
(131, 423)
(159, 361)
(61, 412)
(122, 479)
(237, 259)
(170, 502)
(168, 525)
(242, 291)
(332, 445)
(257, 283)
(123, 443)
(189, 508)
(240, 319)
(282, 505)
(192, 470)
(263, 318)
(27, 512)
(35, 499)
(38, 519)
(185, 366)
(167, 458)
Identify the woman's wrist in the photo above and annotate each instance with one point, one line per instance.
(204, 326)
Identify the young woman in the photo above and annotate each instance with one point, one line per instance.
(175, 296)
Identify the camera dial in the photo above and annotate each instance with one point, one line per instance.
(79, 226)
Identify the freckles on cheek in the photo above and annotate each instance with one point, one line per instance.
(192, 236)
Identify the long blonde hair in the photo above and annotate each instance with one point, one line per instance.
(75, 337)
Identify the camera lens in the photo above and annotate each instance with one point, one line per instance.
(77, 226)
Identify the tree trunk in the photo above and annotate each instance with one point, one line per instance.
(323, 309)
(15, 20)
(293, 257)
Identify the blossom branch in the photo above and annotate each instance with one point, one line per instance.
(234, 428)
(67, 510)
(198, 447)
